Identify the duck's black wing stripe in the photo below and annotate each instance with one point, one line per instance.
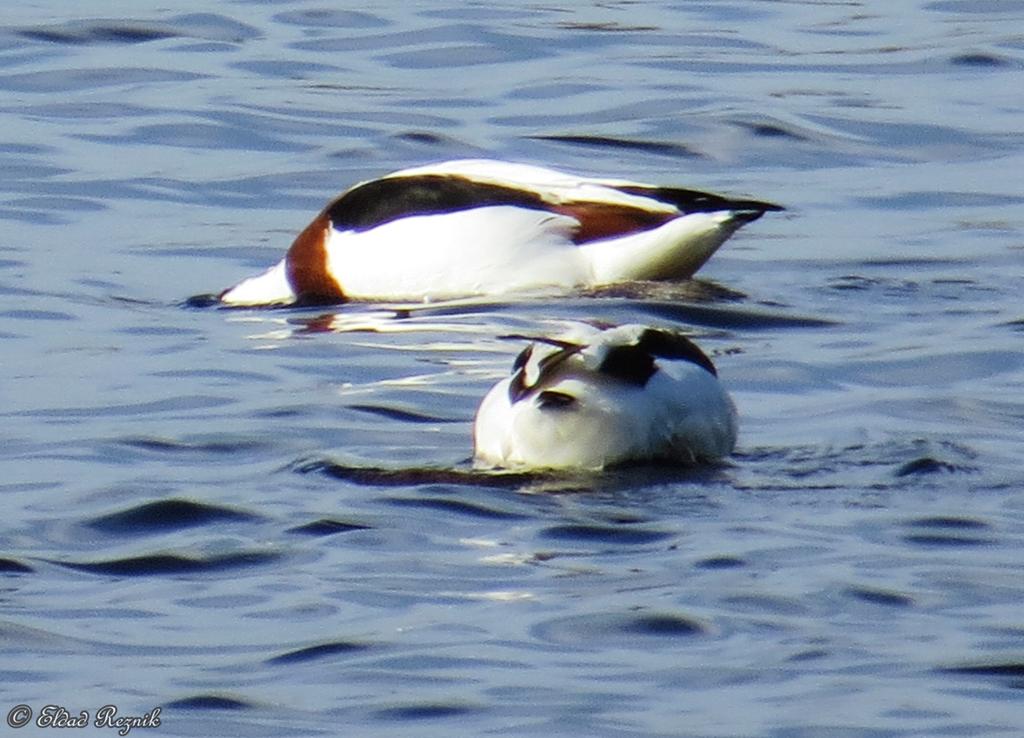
(636, 363)
(384, 200)
(670, 345)
(631, 363)
(520, 387)
(695, 201)
(522, 358)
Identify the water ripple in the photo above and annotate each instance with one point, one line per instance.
(164, 564)
(319, 652)
(12, 566)
(327, 527)
(165, 515)
(616, 535)
(210, 702)
(623, 630)
(47, 82)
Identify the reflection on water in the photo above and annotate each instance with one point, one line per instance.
(267, 522)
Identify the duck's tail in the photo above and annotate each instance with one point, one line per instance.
(675, 249)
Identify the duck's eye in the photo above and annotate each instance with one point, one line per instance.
(554, 400)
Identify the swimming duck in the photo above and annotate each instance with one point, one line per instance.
(476, 226)
(598, 397)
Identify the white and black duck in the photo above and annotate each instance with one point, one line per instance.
(477, 227)
(592, 398)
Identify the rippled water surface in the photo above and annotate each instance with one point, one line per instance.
(265, 522)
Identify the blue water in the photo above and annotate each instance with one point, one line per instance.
(265, 523)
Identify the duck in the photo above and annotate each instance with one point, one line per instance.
(595, 396)
(474, 227)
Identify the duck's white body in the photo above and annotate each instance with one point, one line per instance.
(476, 226)
(595, 398)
